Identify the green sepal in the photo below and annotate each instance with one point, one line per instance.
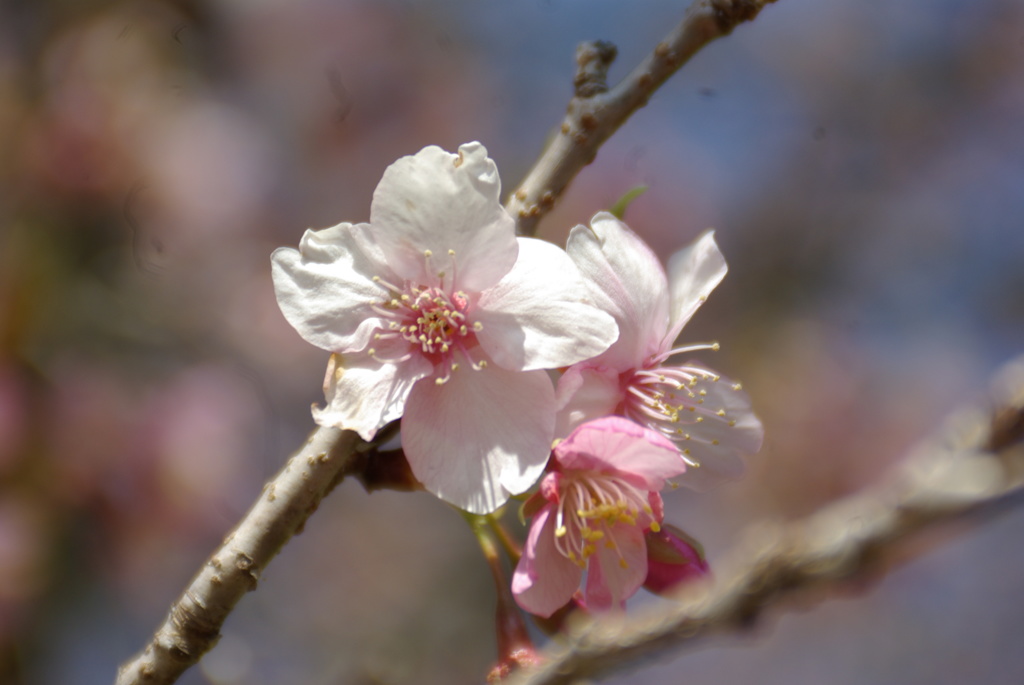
(619, 208)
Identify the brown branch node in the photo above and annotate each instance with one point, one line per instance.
(593, 60)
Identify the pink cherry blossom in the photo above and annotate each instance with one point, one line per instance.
(707, 416)
(600, 496)
(435, 310)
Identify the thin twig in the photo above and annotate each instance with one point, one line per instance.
(595, 112)
(193, 624)
(973, 470)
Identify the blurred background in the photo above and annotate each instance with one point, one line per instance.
(863, 163)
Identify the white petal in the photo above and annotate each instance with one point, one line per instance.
(693, 273)
(481, 436)
(541, 315)
(325, 289)
(585, 393)
(720, 442)
(630, 285)
(363, 395)
(438, 201)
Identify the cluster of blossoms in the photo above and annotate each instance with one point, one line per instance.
(437, 313)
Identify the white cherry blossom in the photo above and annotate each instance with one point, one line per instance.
(707, 416)
(435, 310)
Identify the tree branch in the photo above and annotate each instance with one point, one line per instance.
(595, 112)
(973, 469)
(193, 625)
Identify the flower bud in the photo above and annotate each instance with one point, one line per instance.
(673, 559)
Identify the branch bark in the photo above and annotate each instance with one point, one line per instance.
(192, 626)
(974, 468)
(595, 112)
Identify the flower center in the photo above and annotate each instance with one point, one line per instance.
(433, 320)
(671, 399)
(590, 506)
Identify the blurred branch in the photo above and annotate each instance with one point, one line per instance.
(193, 625)
(595, 112)
(972, 470)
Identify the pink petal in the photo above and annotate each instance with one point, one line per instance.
(544, 580)
(585, 393)
(618, 444)
(693, 272)
(481, 436)
(540, 315)
(610, 582)
(438, 201)
(363, 394)
(628, 282)
(325, 289)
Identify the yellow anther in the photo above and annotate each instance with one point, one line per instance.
(714, 347)
(699, 419)
(477, 326)
(737, 386)
(623, 563)
(655, 527)
(714, 442)
(428, 254)
(721, 412)
(560, 533)
(732, 422)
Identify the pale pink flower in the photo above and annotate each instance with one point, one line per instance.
(435, 310)
(707, 416)
(599, 498)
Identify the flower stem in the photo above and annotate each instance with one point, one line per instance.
(512, 548)
(515, 648)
